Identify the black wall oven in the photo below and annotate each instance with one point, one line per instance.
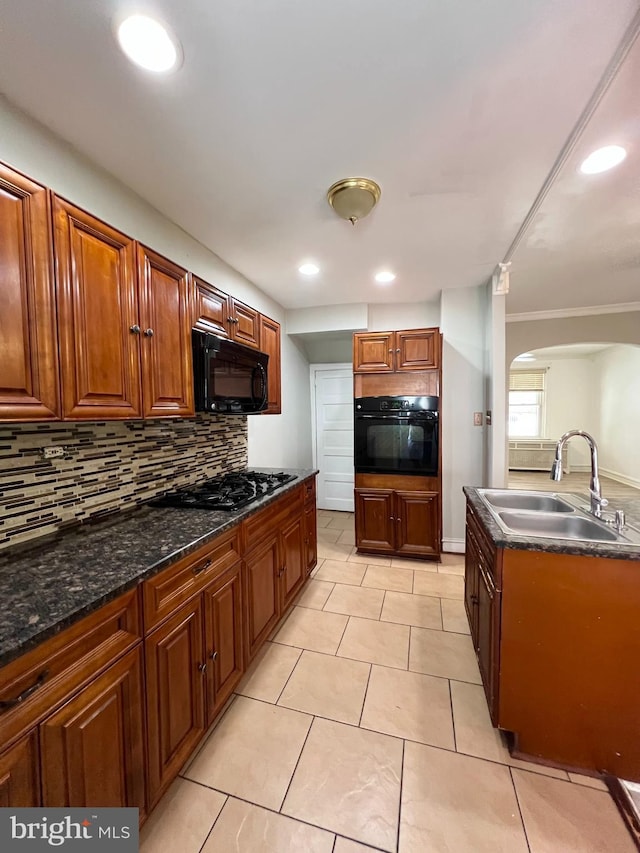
(396, 435)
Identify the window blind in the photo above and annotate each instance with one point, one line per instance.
(526, 380)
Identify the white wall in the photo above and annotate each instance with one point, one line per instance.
(403, 315)
(618, 390)
(31, 148)
(463, 314)
(495, 393)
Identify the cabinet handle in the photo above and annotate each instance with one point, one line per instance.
(148, 333)
(197, 570)
(11, 703)
(474, 599)
(229, 319)
(213, 655)
(202, 667)
(135, 329)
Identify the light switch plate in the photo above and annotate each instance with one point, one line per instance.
(53, 452)
(477, 418)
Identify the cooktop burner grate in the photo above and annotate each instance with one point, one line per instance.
(227, 492)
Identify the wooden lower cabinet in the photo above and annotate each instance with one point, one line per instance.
(406, 523)
(20, 774)
(262, 593)
(311, 536)
(92, 749)
(223, 638)
(176, 668)
(293, 571)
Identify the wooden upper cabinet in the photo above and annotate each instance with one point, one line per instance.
(373, 352)
(391, 352)
(245, 324)
(211, 309)
(98, 317)
(417, 349)
(28, 342)
(270, 343)
(165, 321)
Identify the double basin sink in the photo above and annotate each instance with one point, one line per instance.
(552, 516)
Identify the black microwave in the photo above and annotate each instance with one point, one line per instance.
(230, 379)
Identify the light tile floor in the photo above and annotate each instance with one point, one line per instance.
(362, 726)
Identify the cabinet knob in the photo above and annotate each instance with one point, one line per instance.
(135, 329)
(202, 667)
(474, 599)
(148, 333)
(213, 656)
(398, 350)
(390, 350)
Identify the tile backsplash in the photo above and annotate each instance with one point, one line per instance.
(106, 466)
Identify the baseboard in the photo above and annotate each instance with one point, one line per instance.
(620, 478)
(455, 546)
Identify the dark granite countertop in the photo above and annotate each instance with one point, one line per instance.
(55, 582)
(558, 546)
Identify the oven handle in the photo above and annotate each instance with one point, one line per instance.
(263, 382)
(420, 416)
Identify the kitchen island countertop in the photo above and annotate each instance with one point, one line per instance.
(558, 546)
(51, 583)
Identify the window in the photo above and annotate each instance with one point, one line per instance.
(526, 403)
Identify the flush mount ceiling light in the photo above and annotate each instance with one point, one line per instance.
(148, 43)
(603, 159)
(353, 198)
(309, 269)
(385, 277)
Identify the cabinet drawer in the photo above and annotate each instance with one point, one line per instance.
(34, 684)
(169, 589)
(265, 523)
(487, 552)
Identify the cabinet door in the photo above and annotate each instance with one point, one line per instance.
(28, 342)
(19, 774)
(487, 639)
(471, 573)
(417, 523)
(223, 638)
(311, 536)
(294, 562)
(211, 310)
(175, 668)
(417, 349)
(98, 317)
(374, 519)
(373, 352)
(270, 343)
(245, 324)
(262, 594)
(167, 364)
(93, 747)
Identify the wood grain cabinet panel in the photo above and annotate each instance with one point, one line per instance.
(20, 774)
(262, 594)
(165, 320)
(417, 349)
(93, 747)
(293, 569)
(396, 352)
(374, 519)
(211, 310)
(175, 669)
(311, 536)
(373, 352)
(417, 523)
(245, 324)
(270, 343)
(98, 316)
(223, 638)
(28, 339)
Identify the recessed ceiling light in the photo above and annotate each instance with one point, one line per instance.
(309, 269)
(148, 43)
(526, 356)
(385, 277)
(603, 159)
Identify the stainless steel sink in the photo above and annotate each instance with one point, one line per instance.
(557, 526)
(540, 502)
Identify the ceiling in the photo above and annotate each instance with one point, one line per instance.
(457, 108)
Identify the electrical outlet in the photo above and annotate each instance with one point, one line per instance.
(53, 452)
(477, 418)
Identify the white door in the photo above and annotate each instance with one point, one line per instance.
(332, 387)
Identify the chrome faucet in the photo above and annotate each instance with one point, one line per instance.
(597, 501)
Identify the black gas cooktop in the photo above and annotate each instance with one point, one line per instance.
(226, 492)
